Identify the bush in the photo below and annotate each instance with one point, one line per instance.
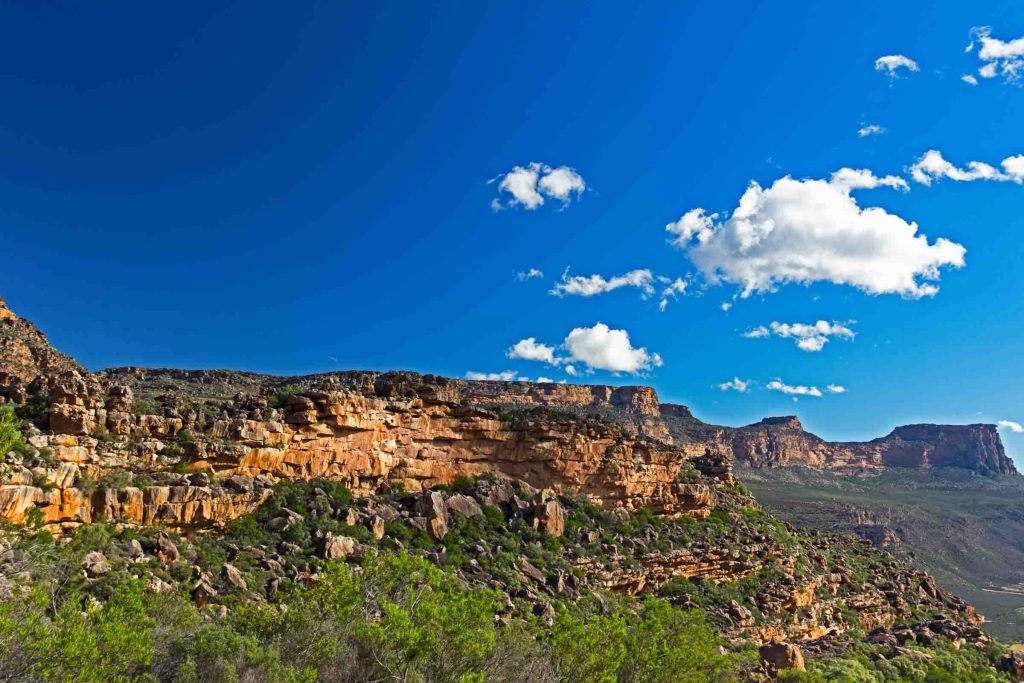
(11, 436)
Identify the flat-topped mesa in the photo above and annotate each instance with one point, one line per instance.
(782, 441)
(974, 447)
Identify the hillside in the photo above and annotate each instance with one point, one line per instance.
(218, 525)
(967, 531)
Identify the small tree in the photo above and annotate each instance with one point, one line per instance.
(11, 437)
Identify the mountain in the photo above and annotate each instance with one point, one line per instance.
(236, 500)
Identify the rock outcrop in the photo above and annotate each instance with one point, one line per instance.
(396, 430)
(25, 354)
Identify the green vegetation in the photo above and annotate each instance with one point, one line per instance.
(11, 436)
(400, 618)
(413, 608)
(281, 396)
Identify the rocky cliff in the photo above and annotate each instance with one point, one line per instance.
(196, 448)
(782, 441)
(641, 495)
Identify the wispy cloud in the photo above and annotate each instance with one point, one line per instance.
(869, 130)
(933, 166)
(1015, 427)
(811, 337)
(791, 390)
(1000, 57)
(894, 66)
(736, 384)
(524, 275)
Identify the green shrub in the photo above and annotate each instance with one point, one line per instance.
(11, 436)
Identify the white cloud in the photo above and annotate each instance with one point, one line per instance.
(866, 131)
(544, 380)
(598, 348)
(835, 389)
(529, 185)
(808, 337)
(602, 348)
(969, 79)
(692, 223)
(933, 166)
(507, 376)
(523, 276)
(586, 286)
(561, 183)
(672, 290)
(530, 349)
(1015, 427)
(891, 65)
(1005, 58)
(778, 385)
(736, 384)
(804, 231)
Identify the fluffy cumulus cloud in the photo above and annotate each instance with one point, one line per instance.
(835, 389)
(933, 166)
(524, 275)
(999, 57)
(528, 186)
(969, 79)
(1012, 426)
(811, 337)
(869, 130)
(805, 231)
(591, 285)
(602, 348)
(596, 348)
(789, 390)
(736, 384)
(894, 66)
(507, 376)
(531, 349)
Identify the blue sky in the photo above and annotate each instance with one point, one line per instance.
(310, 189)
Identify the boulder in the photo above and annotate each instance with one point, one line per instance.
(779, 656)
(548, 517)
(95, 564)
(234, 577)
(336, 547)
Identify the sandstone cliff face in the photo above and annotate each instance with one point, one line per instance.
(397, 430)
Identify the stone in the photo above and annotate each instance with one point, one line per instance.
(777, 656)
(336, 547)
(548, 517)
(464, 505)
(95, 564)
(166, 550)
(530, 571)
(234, 577)
(203, 593)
